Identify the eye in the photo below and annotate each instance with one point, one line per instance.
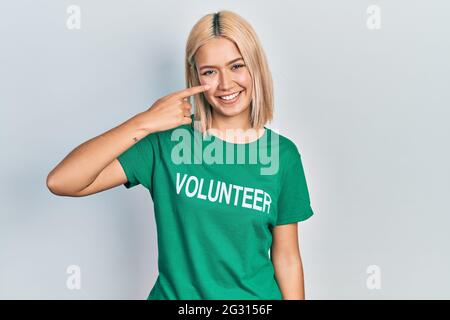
(206, 73)
(235, 66)
(238, 65)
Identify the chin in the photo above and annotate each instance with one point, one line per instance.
(230, 111)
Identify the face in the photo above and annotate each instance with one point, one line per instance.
(220, 64)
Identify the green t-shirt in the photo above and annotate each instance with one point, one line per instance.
(215, 207)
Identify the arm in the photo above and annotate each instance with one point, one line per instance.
(92, 166)
(287, 262)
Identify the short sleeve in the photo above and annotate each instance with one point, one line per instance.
(137, 163)
(293, 202)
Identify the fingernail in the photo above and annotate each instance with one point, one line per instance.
(207, 86)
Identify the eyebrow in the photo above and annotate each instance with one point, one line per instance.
(232, 61)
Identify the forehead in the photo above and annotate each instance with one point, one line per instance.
(217, 51)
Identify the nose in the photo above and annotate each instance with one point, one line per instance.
(225, 82)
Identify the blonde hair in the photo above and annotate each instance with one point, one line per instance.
(233, 27)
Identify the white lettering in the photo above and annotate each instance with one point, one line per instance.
(247, 196)
(226, 193)
(257, 198)
(190, 194)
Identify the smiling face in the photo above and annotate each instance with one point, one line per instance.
(220, 64)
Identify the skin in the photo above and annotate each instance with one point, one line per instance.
(225, 79)
(93, 167)
(287, 261)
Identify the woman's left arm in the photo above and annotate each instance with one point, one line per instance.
(287, 262)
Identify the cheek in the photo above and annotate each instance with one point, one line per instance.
(245, 80)
(211, 82)
(205, 80)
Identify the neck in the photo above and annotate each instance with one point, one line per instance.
(233, 129)
(223, 123)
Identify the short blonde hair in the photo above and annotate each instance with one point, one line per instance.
(233, 27)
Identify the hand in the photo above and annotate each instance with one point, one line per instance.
(170, 111)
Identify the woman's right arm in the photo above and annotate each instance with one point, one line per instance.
(93, 166)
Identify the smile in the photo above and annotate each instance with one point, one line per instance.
(230, 98)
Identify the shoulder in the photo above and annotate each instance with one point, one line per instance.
(286, 145)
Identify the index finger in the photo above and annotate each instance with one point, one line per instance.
(191, 91)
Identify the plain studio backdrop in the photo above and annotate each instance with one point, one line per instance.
(361, 87)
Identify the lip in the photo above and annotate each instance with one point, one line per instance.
(230, 101)
(229, 94)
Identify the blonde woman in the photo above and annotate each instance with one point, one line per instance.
(227, 191)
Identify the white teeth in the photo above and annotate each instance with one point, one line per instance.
(230, 97)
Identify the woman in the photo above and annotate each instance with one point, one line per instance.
(227, 191)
